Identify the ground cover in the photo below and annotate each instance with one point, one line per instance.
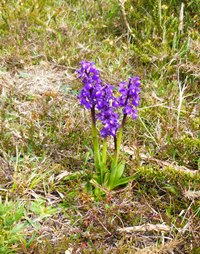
(45, 159)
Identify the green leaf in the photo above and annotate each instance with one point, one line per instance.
(17, 228)
(103, 168)
(172, 189)
(124, 180)
(120, 170)
(116, 173)
(106, 179)
(96, 178)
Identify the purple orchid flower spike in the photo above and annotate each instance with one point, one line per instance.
(129, 98)
(94, 95)
(92, 89)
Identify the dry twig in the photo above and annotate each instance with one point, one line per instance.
(145, 227)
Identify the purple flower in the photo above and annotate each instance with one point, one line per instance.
(129, 98)
(92, 89)
(94, 95)
(98, 96)
(110, 121)
(88, 73)
(108, 117)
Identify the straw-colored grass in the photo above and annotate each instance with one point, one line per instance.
(46, 204)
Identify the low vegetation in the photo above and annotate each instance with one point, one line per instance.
(47, 204)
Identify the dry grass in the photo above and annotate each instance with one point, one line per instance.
(44, 164)
(46, 202)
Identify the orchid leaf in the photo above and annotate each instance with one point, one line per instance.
(103, 171)
(123, 181)
(120, 170)
(106, 179)
(116, 173)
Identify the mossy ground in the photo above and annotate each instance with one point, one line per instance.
(45, 162)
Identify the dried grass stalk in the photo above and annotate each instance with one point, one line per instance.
(192, 194)
(144, 228)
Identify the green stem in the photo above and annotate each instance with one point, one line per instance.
(118, 141)
(104, 159)
(95, 141)
(104, 151)
(117, 149)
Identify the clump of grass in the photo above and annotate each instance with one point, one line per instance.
(11, 228)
